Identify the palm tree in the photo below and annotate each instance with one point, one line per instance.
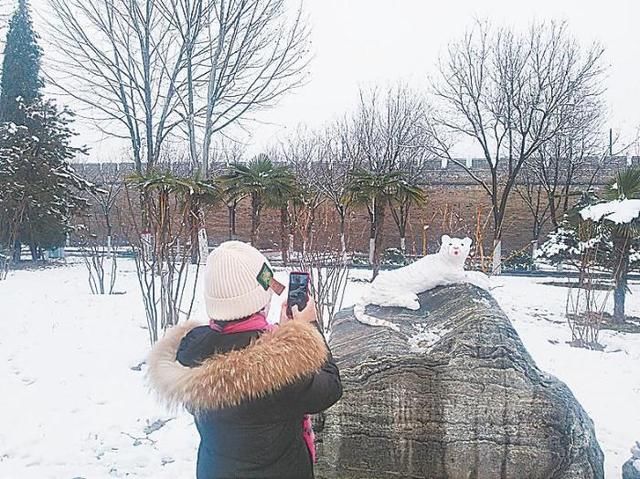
(231, 196)
(407, 195)
(247, 180)
(279, 192)
(200, 193)
(375, 190)
(626, 185)
(193, 193)
(259, 180)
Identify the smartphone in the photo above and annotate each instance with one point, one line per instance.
(298, 291)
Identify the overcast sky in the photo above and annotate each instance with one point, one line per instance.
(360, 43)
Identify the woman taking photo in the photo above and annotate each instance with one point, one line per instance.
(250, 386)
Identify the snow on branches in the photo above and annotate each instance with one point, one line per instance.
(41, 191)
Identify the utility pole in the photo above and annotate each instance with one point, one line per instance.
(610, 142)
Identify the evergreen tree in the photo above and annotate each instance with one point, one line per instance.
(40, 190)
(21, 81)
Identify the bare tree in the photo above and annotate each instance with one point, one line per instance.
(390, 142)
(536, 200)
(122, 60)
(105, 197)
(253, 56)
(511, 93)
(97, 234)
(97, 258)
(302, 152)
(573, 157)
(151, 70)
(333, 172)
(329, 277)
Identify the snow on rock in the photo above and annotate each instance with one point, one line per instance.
(425, 338)
(617, 211)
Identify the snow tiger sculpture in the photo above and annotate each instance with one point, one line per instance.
(400, 287)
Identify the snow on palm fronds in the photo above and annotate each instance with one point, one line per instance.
(622, 211)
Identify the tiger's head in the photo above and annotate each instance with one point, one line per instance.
(455, 249)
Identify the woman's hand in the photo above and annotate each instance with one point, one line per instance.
(308, 314)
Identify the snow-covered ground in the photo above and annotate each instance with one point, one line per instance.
(75, 405)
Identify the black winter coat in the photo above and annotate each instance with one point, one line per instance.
(248, 393)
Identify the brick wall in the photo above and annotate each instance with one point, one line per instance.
(456, 205)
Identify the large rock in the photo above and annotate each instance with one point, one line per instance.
(631, 468)
(454, 395)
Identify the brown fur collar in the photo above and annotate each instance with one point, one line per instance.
(276, 359)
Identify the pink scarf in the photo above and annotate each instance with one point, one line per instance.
(258, 322)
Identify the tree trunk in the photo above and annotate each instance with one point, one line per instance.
(372, 249)
(308, 239)
(284, 234)
(553, 213)
(618, 301)
(17, 251)
(498, 218)
(144, 210)
(497, 257)
(107, 222)
(232, 220)
(621, 268)
(195, 250)
(372, 239)
(34, 251)
(203, 244)
(403, 245)
(377, 246)
(534, 247)
(255, 220)
(343, 241)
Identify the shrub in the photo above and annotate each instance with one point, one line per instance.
(394, 257)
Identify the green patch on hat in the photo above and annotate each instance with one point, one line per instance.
(265, 276)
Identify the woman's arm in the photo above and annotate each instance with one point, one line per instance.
(320, 391)
(323, 388)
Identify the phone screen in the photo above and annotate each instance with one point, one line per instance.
(298, 291)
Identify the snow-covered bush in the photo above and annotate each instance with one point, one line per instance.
(568, 245)
(560, 246)
(394, 257)
(519, 261)
(564, 246)
(359, 259)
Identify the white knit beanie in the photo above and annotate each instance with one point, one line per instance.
(231, 287)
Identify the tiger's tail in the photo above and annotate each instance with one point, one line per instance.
(361, 315)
